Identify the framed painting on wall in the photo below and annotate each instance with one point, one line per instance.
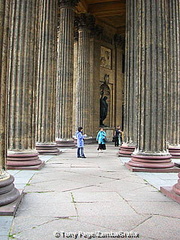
(106, 57)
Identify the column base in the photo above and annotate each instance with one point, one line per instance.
(11, 208)
(24, 161)
(8, 193)
(168, 191)
(65, 143)
(126, 151)
(177, 164)
(175, 152)
(172, 192)
(155, 163)
(47, 149)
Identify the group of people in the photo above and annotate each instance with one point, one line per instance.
(101, 139)
(118, 137)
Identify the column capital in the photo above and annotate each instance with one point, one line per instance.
(85, 21)
(67, 3)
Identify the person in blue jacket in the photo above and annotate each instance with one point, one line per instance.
(80, 142)
(101, 138)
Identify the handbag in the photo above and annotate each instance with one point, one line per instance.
(105, 139)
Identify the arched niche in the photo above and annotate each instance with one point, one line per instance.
(105, 103)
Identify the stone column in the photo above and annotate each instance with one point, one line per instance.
(8, 193)
(46, 75)
(119, 42)
(83, 107)
(65, 73)
(22, 86)
(95, 54)
(75, 76)
(151, 152)
(174, 93)
(174, 79)
(131, 76)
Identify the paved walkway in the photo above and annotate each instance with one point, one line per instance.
(73, 198)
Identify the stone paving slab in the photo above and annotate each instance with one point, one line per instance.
(5, 224)
(46, 229)
(107, 209)
(21, 177)
(68, 185)
(144, 194)
(160, 179)
(47, 204)
(123, 185)
(167, 208)
(93, 194)
(160, 228)
(95, 197)
(115, 223)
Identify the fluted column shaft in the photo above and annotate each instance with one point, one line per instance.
(83, 81)
(8, 193)
(22, 79)
(151, 149)
(131, 75)
(131, 78)
(74, 80)
(46, 92)
(65, 71)
(174, 77)
(152, 77)
(174, 93)
(22, 76)
(3, 85)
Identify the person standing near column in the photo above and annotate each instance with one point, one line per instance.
(118, 136)
(101, 138)
(80, 143)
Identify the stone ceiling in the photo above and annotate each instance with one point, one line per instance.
(108, 12)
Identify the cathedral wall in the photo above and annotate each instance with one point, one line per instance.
(108, 70)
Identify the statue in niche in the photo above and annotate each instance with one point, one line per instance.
(104, 93)
(103, 109)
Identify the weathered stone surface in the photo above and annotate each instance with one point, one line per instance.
(152, 84)
(64, 86)
(131, 77)
(8, 193)
(23, 60)
(99, 194)
(83, 101)
(174, 79)
(126, 150)
(46, 78)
